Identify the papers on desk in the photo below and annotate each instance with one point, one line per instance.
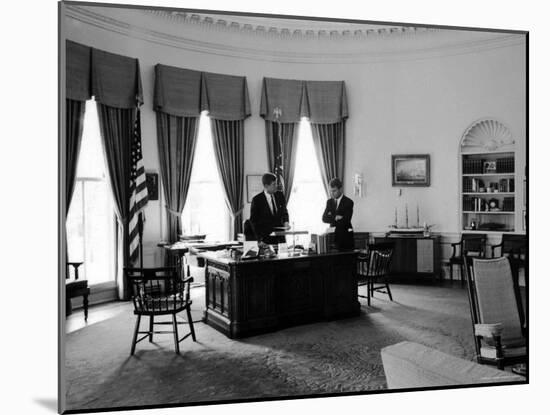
(250, 250)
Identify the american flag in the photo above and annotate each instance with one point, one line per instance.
(279, 170)
(138, 191)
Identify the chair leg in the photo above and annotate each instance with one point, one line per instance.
(190, 321)
(371, 289)
(151, 322)
(461, 275)
(451, 270)
(176, 337)
(389, 291)
(85, 303)
(138, 320)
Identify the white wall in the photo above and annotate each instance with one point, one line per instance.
(397, 106)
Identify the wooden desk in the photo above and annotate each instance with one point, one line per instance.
(414, 255)
(244, 298)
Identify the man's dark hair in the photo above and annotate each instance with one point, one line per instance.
(268, 178)
(336, 182)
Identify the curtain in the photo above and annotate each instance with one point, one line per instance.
(289, 137)
(176, 140)
(117, 127)
(325, 104)
(74, 127)
(228, 137)
(329, 142)
(183, 94)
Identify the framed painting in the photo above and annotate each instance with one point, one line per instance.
(410, 170)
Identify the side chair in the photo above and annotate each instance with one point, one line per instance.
(373, 267)
(469, 245)
(76, 288)
(159, 292)
(515, 248)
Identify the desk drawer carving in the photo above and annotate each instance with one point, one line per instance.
(218, 290)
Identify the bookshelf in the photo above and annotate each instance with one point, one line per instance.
(488, 180)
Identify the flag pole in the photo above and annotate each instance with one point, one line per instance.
(140, 233)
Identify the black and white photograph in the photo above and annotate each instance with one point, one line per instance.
(258, 126)
(267, 208)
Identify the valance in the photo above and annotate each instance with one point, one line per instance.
(323, 102)
(285, 94)
(78, 78)
(327, 101)
(184, 92)
(177, 91)
(225, 97)
(116, 80)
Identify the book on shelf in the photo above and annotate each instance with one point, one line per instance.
(506, 185)
(505, 165)
(472, 166)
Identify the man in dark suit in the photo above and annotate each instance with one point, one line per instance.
(338, 213)
(268, 211)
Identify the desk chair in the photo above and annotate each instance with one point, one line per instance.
(159, 292)
(374, 267)
(496, 312)
(76, 288)
(469, 245)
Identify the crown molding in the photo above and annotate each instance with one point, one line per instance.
(276, 44)
(330, 31)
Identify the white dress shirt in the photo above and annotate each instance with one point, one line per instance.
(270, 200)
(338, 200)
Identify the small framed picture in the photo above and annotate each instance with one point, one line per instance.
(410, 170)
(489, 167)
(253, 186)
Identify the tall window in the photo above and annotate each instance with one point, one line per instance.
(205, 209)
(308, 197)
(91, 221)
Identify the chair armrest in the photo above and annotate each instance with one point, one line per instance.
(488, 330)
(187, 280)
(494, 247)
(454, 245)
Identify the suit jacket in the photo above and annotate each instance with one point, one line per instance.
(263, 221)
(343, 238)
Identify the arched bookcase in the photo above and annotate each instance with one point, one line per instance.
(488, 179)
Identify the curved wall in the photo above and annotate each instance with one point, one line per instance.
(408, 103)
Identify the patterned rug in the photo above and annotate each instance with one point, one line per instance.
(321, 358)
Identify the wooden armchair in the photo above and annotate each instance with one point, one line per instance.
(158, 292)
(469, 245)
(373, 267)
(496, 311)
(514, 247)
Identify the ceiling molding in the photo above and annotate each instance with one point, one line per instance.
(254, 43)
(296, 30)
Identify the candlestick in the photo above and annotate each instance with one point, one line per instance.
(396, 217)
(417, 216)
(406, 216)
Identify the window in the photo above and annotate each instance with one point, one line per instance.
(205, 209)
(91, 220)
(308, 197)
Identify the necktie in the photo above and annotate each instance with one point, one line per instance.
(273, 206)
